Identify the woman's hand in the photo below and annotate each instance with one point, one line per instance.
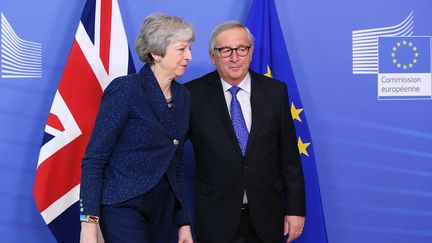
(185, 234)
(89, 233)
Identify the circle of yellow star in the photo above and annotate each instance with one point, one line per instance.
(394, 55)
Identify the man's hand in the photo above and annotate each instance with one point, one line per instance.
(293, 226)
(185, 234)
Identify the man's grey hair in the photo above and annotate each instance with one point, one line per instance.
(157, 32)
(228, 25)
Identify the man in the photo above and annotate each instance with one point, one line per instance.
(249, 179)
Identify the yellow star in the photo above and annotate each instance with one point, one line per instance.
(404, 42)
(394, 48)
(414, 60)
(295, 113)
(398, 44)
(394, 60)
(398, 65)
(303, 147)
(414, 48)
(416, 54)
(268, 74)
(393, 54)
(410, 44)
(404, 66)
(410, 65)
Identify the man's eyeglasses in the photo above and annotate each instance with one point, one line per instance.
(228, 51)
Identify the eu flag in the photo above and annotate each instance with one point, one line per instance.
(270, 57)
(404, 54)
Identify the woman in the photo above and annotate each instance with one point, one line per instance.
(132, 179)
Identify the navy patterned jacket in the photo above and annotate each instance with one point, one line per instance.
(136, 140)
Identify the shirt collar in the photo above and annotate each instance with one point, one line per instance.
(245, 84)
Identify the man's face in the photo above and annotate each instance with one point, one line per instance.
(234, 68)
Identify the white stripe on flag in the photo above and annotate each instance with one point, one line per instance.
(119, 51)
(59, 206)
(92, 56)
(71, 129)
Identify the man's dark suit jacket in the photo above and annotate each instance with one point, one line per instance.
(270, 172)
(136, 140)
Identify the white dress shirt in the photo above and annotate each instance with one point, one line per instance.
(243, 96)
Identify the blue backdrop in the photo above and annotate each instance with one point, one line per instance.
(374, 156)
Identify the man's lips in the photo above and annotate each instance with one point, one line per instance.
(235, 68)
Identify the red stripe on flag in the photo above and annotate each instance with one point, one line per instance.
(81, 92)
(58, 174)
(105, 32)
(54, 122)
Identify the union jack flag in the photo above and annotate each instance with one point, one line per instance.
(99, 53)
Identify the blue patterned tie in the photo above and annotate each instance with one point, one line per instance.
(238, 120)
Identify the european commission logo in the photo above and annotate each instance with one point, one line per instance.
(401, 61)
(19, 58)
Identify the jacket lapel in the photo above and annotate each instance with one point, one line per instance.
(216, 96)
(257, 106)
(177, 110)
(156, 98)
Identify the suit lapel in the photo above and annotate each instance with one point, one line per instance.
(177, 110)
(156, 98)
(257, 106)
(216, 96)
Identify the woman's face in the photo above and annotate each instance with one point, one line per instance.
(177, 56)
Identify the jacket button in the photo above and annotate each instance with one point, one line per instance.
(175, 141)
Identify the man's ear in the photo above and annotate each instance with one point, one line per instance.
(212, 57)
